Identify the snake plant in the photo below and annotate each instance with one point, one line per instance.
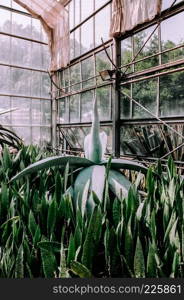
(92, 176)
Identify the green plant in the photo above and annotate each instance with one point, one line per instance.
(43, 234)
(8, 137)
(93, 175)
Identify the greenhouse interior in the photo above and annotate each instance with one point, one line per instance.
(91, 138)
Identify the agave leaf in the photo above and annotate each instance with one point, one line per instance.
(119, 184)
(95, 142)
(53, 162)
(127, 165)
(80, 270)
(96, 176)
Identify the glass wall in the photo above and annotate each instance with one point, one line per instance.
(155, 80)
(24, 81)
(81, 81)
(152, 60)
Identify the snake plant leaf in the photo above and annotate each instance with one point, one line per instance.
(19, 263)
(126, 164)
(96, 176)
(50, 246)
(95, 142)
(52, 162)
(80, 270)
(118, 184)
(139, 263)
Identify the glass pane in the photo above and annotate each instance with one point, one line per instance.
(44, 37)
(45, 57)
(63, 111)
(102, 63)
(36, 84)
(77, 12)
(36, 112)
(4, 105)
(20, 81)
(87, 36)
(24, 133)
(75, 77)
(36, 29)
(108, 131)
(72, 45)
(75, 136)
(21, 52)
(18, 7)
(71, 14)
(88, 71)
(37, 58)
(75, 108)
(22, 115)
(5, 79)
(36, 136)
(45, 136)
(126, 53)
(172, 94)
(87, 106)
(145, 92)
(5, 21)
(104, 103)
(102, 25)
(45, 112)
(125, 104)
(77, 42)
(99, 3)
(150, 48)
(151, 140)
(172, 35)
(6, 3)
(5, 49)
(21, 25)
(167, 3)
(45, 85)
(86, 8)
(66, 78)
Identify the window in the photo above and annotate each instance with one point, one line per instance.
(25, 84)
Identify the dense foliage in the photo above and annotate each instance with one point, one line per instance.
(43, 234)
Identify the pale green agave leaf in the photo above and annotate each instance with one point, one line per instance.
(118, 184)
(53, 162)
(92, 179)
(126, 164)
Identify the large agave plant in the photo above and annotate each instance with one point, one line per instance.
(92, 175)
